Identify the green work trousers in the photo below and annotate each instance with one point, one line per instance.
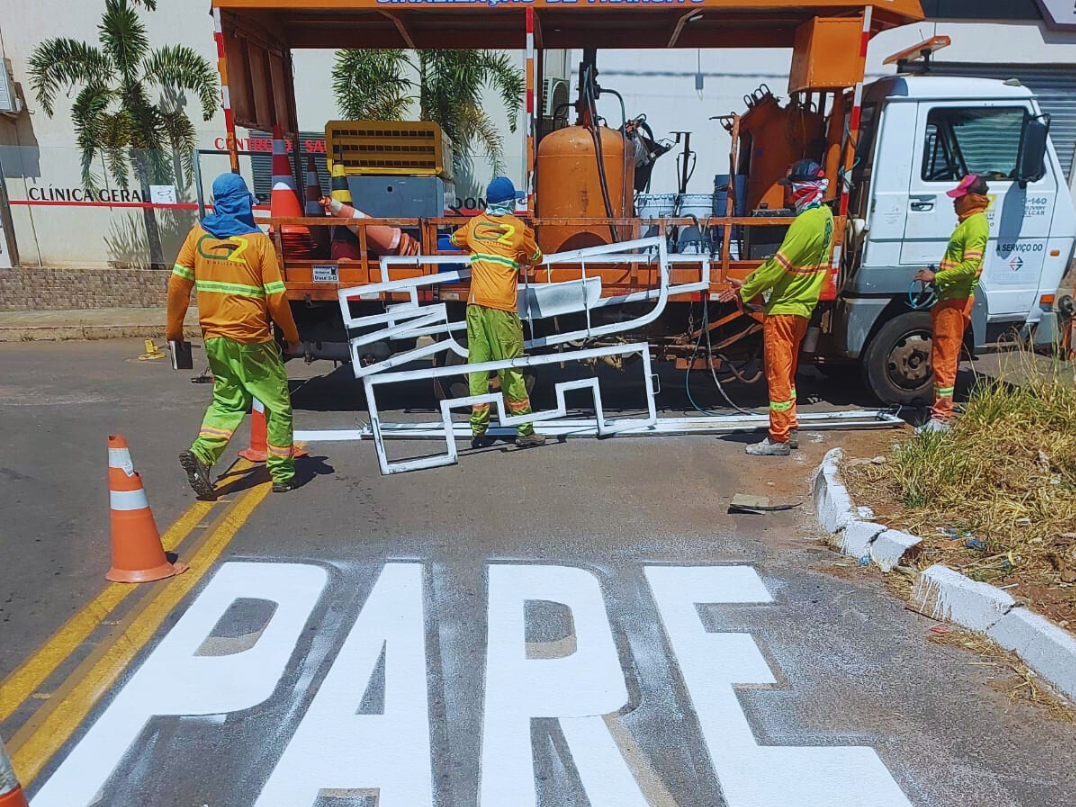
(240, 373)
(495, 335)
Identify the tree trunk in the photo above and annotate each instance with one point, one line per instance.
(153, 235)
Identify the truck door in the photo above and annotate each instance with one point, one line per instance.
(982, 137)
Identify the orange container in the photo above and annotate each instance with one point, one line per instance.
(774, 137)
(569, 187)
(826, 55)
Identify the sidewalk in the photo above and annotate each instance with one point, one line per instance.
(92, 323)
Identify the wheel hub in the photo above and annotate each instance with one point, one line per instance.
(909, 364)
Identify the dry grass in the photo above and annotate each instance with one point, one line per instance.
(1014, 677)
(1005, 475)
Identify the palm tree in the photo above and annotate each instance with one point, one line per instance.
(372, 85)
(115, 115)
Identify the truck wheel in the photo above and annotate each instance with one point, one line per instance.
(897, 363)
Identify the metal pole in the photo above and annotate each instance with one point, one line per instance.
(198, 189)
(225, 98)
(530, 92)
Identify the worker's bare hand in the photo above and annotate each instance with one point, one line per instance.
(924, 276)
(732, 292)
(295, 348)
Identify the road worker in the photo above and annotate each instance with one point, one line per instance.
(794, 278)
(499, 244)
(956, 280)
(233, 266)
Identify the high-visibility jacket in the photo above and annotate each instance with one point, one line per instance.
(798, 270)
(960, 269)
(498, 246)
(239, 288)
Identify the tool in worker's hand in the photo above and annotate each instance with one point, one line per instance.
(153, 353)
(182, 354)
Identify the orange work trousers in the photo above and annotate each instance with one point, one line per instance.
(782, 334)
(951, 318)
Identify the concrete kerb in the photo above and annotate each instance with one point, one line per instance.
(942, 593)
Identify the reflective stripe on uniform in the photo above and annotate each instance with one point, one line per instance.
(778, 406)
(209, 431)
(183, 272)
(480, 407)
(280, 452)
(276, 287)
(482, 256)
(516, 406)
(238, 289)
(128, 499)
(944, 392)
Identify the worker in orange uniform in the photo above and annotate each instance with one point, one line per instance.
(233, 266)
(499, 244)
(956, 280)
(794, 278)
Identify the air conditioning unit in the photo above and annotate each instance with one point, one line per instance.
(554, 97)
(10, 103)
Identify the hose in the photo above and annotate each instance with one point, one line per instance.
(713, 372)
(925, 298)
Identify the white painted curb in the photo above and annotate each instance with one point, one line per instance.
(942, 593)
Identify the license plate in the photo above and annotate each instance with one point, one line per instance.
(327, 274)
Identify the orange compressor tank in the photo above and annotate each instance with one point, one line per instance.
(569, 187)
(774, 137)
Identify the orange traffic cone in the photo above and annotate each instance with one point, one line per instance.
(284, 201)
(259, 441)
(319, 236)
(379, 238)
(11, 794)
(137, 554)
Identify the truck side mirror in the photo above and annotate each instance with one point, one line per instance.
(1032, 166)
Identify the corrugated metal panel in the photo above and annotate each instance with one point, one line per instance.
(262, 162)
(1054, 85)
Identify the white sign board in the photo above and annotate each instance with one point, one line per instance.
(162, 194)
(326, 273)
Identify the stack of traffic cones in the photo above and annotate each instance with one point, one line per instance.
(259, 438)
(319, 236)
(345, 244)
(137, 553)
(380, 239)
(11, 794)
(284, 203)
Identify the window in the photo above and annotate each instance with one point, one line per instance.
(962, 141)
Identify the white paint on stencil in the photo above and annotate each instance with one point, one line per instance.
(579, 689)
(714, 664)
(335, 749)
(174, 680)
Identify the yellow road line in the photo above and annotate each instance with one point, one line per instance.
(35, 744)
(32, 673)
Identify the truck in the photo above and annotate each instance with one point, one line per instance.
(891, 149)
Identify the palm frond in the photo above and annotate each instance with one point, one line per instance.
(183, 141)
(500, 73)
(371, 84)
(124, 38)
(88, 117)
(178, 67)
(479, 127)
(60, 64)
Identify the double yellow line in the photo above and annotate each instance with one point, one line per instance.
(38, 740)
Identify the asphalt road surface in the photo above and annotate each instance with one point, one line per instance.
(579, 624)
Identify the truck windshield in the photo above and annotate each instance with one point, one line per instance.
(962, 141)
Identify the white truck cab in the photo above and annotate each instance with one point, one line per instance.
(920, 136)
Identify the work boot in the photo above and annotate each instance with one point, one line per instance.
(530, 440)
(198, 475)
(933, 426)
(482, 441)
(286, 485)
(769, 448)
(794, 439)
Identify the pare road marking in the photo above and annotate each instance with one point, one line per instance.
(340, 749)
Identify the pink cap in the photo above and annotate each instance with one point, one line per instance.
(970, 184)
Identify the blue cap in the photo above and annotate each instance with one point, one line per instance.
(500, 190)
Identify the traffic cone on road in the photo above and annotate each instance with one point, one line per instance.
(137, 554)
(345, 244)
(284, 201)
(11, 794)
(319, 236)
(259, 441)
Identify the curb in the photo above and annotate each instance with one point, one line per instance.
(940, 592)
(87, 333)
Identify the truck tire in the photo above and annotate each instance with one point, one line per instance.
(897, 363)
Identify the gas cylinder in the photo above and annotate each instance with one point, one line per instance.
(569, 186)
